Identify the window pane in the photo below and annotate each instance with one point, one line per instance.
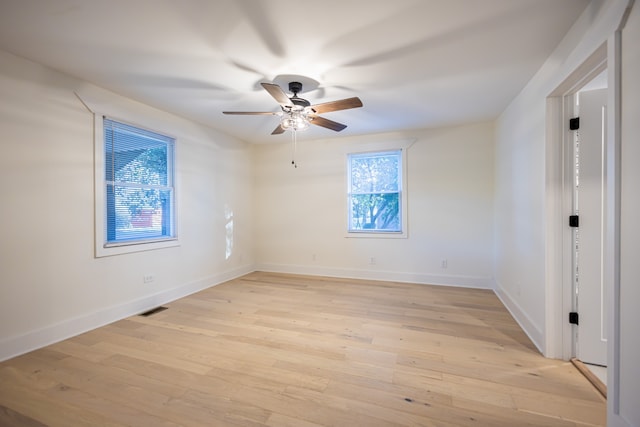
(373, 212)
(375, 192)
(147, 166)
(373, 173)
(135, 157)
(138, 213)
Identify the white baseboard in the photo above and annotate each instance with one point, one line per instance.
(392, 276)
(528, 326)
(15, 346)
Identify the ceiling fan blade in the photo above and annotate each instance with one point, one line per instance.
(251, 113)
(278, 94)
(278, 130)
(342, 104)
(326, 123)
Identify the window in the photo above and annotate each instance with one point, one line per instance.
(138, 185)
(375, 192)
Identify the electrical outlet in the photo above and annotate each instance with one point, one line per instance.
(372, 261)
(314, 257)
(444, 263)
(148, 278)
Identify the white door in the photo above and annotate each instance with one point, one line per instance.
(589, 205)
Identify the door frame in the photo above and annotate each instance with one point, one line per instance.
(559, 294)
(556, 344)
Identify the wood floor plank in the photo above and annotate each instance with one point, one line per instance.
(287, 350)
(11, 418)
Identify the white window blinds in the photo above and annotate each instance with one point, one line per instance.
(139, 184)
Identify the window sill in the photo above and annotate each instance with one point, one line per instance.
(126, 248)
(376, 235)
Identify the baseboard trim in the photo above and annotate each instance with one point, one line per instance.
(528, 326)
(15, 346)
(478, 282)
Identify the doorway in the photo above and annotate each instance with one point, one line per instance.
(585, 164)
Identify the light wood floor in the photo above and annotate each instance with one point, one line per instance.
(295, 351)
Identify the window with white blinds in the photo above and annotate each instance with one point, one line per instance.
(139, 192)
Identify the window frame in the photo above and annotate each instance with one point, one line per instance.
(102, 247)
(379, 148)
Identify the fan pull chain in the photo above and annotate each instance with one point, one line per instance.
(294, 147)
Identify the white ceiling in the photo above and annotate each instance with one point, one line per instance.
(414, 63)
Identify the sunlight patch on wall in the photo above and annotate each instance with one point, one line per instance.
(228, 216)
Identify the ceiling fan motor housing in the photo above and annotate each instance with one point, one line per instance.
(295, 87)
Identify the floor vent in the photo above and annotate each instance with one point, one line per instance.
(153, 311)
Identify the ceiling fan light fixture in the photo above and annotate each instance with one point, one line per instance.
(294, 120)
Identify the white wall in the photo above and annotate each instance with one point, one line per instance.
(524, 235)
(51, 286)
(302, 212)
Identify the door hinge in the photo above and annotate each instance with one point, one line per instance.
(574, 221)
(573, 318)
(574, 124)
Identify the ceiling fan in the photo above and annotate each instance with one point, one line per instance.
(297, 113)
